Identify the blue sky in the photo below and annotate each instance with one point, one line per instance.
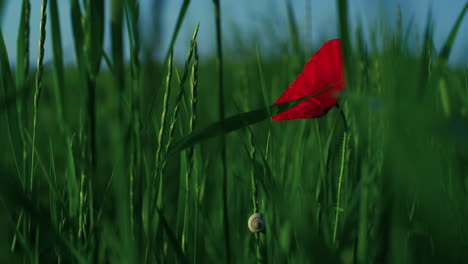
(253, 19)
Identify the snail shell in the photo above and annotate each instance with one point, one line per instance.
(256, 223)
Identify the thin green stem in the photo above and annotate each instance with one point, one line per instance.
(340, 178)
(254, 184)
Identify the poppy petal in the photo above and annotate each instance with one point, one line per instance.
(323, 70)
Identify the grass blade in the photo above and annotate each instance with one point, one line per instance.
(236, 122)
(96, 36)
(78, 34)
(22, 60)
(59, 73)
(219, 57)
(293, 28)
(345, 40)
(445, 53)
(9, 102)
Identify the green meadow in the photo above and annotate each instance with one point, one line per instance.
(125, 159)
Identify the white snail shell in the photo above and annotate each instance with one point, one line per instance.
(256, 223)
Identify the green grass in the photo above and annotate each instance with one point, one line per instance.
(126, 165)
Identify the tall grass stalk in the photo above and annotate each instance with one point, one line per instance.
(191, 157)
(94, 38)
(59, 74)
(22, 72)
(162, 130)
(255, 199)
(157, 179)
(339, 191)
(266, 99)
(136, 185)
(38, 85)
(224, 184)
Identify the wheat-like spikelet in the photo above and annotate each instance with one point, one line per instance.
(191, 151)
(162, 129)
(37, 93)
(181, 91)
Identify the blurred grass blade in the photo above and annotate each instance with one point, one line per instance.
(236, 122)
(12, 196)
(22, 46)
(265, 96)
(96, 38)
(294, 31)
(175, 33)
(59, 84)
(78, 35)
(11, 100)
(345, 40)
(172, 237)
(2, 6)
(108, 62)
(22, 68)
(59, 73)
(445, 53)
(180, 19)
(8, 92)
(427, 54)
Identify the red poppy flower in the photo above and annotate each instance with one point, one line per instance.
(323, 70)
